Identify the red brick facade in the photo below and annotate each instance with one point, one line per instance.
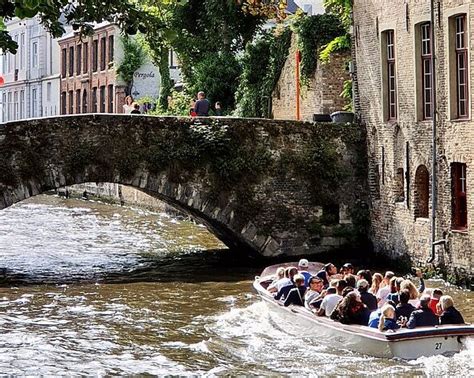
(88, 73)
(400, 138)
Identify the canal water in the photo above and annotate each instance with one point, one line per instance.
(97, 289)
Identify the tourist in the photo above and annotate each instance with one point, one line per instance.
(192, 113)
(367, 298)
(395, 285)
(423, 317)
(365, 275)
(136, 109)
(350, 280)
(314, 295)
(296, 295)
(404, 309)
(331, 299)
(279, 281)
(374, 318)
(202, 105)
(387, 319)
(377, 279)
(326, 273)
(347, 268)
(414, 294)
(434, 302)
(285, 289)
(449, 313)
(128, 106)
(303, 266)
(419, 275)
(351, 310)
(218, 109)
(384, 289)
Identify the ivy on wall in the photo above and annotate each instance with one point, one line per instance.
(262, 64)
(134, 57)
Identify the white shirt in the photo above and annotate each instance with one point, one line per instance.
(282, 282)
(329, 303)
(127, 109)
(382, 295)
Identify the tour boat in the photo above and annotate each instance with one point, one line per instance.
(404, 343)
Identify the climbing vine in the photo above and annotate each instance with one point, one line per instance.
(262, 64)
(133, 58)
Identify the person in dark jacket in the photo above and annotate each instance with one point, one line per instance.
(283, 292)
(351, 310)
(404, 309)
(326, 273)
(449, 315)
(296, 295)
(368, 299)
(202, 105)
(423, 317)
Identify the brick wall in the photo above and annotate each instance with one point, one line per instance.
(405, 143)
(321, 96)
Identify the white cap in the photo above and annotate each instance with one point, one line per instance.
(303, 263)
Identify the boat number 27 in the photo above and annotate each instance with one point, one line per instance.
(438, 346)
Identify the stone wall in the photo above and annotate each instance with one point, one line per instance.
(405, 143)
(273, 187)
(321, 96)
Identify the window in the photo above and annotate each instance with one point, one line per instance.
(86, 57)
(4, 63)
(94, 100)
(22, 104)
(78, 59)
(15, 106)
(22, 51)
(102, 99)
(34, 102)
(35, 54)
(4, 107)
(84, 101)
(48, 91)
(10, 108)
(422, 192)
(111, 49)
(63, 62)
(399, 186)
(459, 199)
(392, 90)
(461, 67)
(15, 58)
(71, 103)
(426, 71)
(63, 103)
(110, 99)
(71, 61)
(78, 101)
(103, 53)
(95, 53)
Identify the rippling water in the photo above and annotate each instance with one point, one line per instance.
(126, 291)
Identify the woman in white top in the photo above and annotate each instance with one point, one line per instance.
(128, 106)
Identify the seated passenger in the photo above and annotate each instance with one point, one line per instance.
(351, 310)
(303, 266)
(395, 286)
(331, 299)
(384, 289)
(435, 296)
(368, 299)
(347, 268)
(414, 293)
(423, 317)
(377, 279)
(374, 318)
(296, 295)
(449, 315)
(278, 281)
(365, 275)
(326, 273)
(387, 318)
(283, 292)
(313, 294)
(350, 280)
(404, 309)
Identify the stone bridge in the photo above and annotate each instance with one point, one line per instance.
(274, 187)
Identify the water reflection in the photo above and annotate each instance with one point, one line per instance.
(143, 298)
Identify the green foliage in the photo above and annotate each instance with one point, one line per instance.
(179, 104)
(217, 75)
(346, 94)
(341, 8)
(261, 63)
(313, 33)
(133, 59)
(341, 43)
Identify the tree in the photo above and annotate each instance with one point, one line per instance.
(54, 14)
(133, 59)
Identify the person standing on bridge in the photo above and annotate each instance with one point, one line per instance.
(202, 105)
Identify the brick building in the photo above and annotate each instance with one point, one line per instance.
(392, 40)
(322, 95)
(89, 83)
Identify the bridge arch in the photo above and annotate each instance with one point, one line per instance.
(256, 184)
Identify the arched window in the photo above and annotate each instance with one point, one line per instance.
(422, 192)
(84, 102)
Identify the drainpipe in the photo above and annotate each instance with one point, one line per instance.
(434, 179)
(297, 76)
